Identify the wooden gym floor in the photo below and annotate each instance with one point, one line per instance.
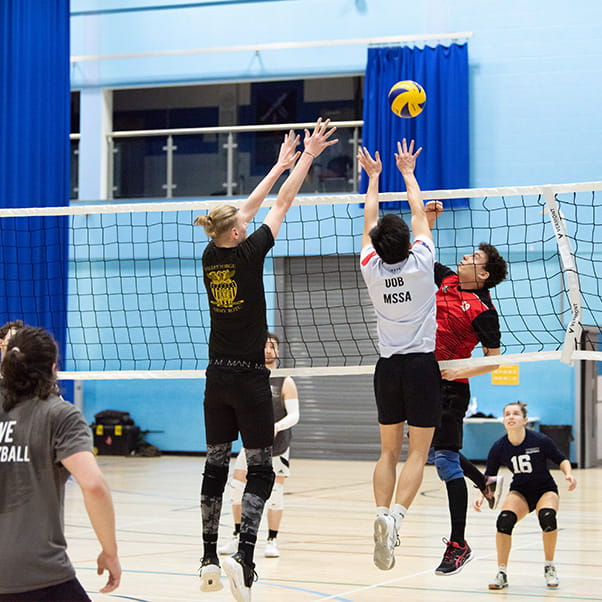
(326, 539)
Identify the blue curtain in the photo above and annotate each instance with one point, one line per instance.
(34, 171)
(442, 127)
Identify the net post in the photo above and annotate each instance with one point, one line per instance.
(569, 270)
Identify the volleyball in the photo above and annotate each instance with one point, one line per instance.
(407, 98)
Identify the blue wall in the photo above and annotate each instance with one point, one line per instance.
(536, 67)
(536, 81)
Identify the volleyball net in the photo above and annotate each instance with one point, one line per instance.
(137, 307)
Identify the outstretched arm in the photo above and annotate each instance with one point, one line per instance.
(287, 157)
(455, 374)
(314, 145)
(433, 210)
(373, 169)
(405, 159)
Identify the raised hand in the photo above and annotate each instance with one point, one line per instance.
(372, 167)
(288, 154)
(318, 140)
(405, 158)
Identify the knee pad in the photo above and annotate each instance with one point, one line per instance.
(214, 480)
(547, 519)
(276, 501)
(236, 489)
(506, 521)
(260, 480)
(447, 464)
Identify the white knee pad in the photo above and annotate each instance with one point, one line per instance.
(276, 501)
(236, 489)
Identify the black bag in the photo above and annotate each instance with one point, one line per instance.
(115, 433)
(113, 417)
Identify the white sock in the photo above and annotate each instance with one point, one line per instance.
(398, 512)
(381, 510)
(502, 568)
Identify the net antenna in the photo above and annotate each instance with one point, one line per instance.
(574, 328)
(137, 307)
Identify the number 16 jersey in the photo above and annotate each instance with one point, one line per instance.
(527, 461)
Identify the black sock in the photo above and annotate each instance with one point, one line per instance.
(247, 547)
(272, 534)
(236, 529)
(210, 549)
(472, 472)
(457, 497)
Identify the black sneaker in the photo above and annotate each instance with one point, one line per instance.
(241, 577)
(454, 559)
(210, 575)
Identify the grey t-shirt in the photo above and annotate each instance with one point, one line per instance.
(35, 436)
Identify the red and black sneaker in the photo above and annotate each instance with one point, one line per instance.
(454, 559)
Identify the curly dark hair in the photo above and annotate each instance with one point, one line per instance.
(496, 265)
(28, 368)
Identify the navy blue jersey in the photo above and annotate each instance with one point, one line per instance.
(527, 461)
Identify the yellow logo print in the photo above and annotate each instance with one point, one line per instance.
(223, 288)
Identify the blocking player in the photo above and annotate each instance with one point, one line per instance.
(399, 277)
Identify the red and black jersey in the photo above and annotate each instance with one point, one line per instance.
(464, 318)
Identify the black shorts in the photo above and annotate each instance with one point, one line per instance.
(70, 591)
(239, 401)
(407, 389)
(455, 397)
(532, 493)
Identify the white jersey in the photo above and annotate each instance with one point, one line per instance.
(403, 295)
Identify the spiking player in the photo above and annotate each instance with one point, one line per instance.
(524, 452)
(466, 316)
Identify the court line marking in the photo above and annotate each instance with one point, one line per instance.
(406, 577)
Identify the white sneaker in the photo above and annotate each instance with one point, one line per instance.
(229, 547)
(550, 575)
(500, 581)
(241, 577)
(210, 576)
(385, 540)
(271, 549)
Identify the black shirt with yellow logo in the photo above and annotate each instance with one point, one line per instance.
(234, 281)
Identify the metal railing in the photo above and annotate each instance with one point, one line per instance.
(224, 160)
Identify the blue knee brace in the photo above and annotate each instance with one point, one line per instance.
(447, 464)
